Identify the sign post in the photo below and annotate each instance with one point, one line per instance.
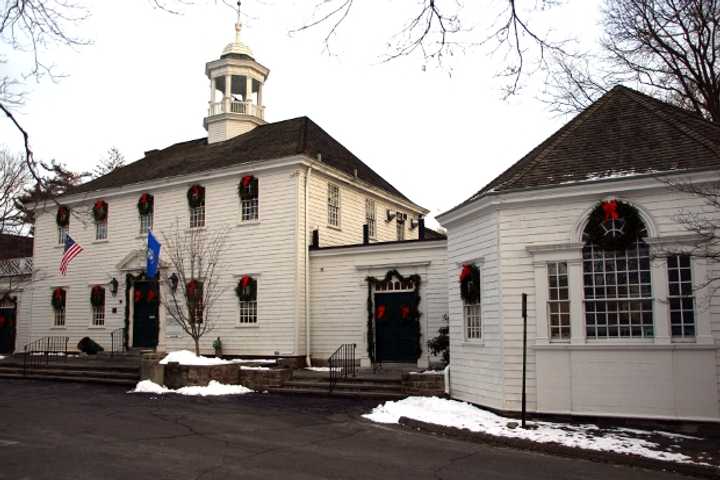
(524, 363)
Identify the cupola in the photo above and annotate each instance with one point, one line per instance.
(236, 91)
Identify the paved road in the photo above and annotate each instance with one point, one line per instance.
(69, 431)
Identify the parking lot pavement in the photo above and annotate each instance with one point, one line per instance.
(73, 431)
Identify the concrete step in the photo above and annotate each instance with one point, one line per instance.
(354, 386)
(379, 395)
(363, 378)
(72, 372)
(63, 378)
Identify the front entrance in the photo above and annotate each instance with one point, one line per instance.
(7, 329)
(396, 331)
(146, 325)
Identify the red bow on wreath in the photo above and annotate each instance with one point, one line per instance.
(138, 296)
(99, 204)
(245, 281)
(465, 273)
(195, 191)
(151, 295)
(246, 181)
(380, 312)
(610, 210)
(404, 312)
(58, 294)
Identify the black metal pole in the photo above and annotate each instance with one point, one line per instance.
(524, 371)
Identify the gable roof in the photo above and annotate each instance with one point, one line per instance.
(625, 133)
(265, 142)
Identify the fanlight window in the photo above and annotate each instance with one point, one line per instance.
(618, 292)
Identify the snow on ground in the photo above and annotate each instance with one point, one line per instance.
(213, 388)
(456, 414)
(245, 367)
(186, 357)
(2, 358)
(429, 372)
(318, 369)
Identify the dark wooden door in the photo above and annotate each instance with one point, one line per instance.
(146, 325)
(396, 337)
(7, 330)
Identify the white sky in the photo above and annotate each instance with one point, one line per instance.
(437, 134)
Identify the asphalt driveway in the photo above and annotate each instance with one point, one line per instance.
(72, 431)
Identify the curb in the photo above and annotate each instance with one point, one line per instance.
(562, 450)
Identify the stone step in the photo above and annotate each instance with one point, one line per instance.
(354, 386)
(63, 378)
(104, 367)
(72, 372)
(379, 395)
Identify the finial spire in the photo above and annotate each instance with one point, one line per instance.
(238, 23)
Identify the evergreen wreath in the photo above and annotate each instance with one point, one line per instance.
(63, 216)
(97, 296)
(413, 311)
(193, 290)
(100, 210)
(613, 225)
(248, 187)
(58, 299)
(470, 283)
(246, 289)
(196, 196)
(146, 204)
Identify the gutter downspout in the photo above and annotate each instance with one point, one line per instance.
(306, 246)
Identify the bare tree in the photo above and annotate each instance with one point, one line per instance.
(112, 161)
(194, 256)
(14, 179)
(669, 48)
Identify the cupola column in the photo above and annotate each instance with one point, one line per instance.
(259, 98)
(248, 91)
(228, 93)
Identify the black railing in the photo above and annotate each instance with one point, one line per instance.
(117, 341)
(42, 350)
(342, 363)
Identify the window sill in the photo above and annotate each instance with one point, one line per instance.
(247, 325)
(334, 227)
(104, 240)
(473, 343)
(247, 223)
(96, 327)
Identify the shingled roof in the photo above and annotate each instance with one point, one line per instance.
(266, 142)
(623, 134)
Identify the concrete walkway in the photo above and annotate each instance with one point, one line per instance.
(72, 431)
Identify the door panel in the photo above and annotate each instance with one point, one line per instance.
(146, 301)
(7, 330)
(395, 336)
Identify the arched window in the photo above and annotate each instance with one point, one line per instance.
(618, 292)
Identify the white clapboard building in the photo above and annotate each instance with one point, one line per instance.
(278, 189)
(588, 227)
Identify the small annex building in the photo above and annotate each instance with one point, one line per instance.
(587, 226)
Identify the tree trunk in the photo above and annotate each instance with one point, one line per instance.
(197, 346)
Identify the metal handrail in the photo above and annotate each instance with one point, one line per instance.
(117, 341)
(43, 349)
(342, 363)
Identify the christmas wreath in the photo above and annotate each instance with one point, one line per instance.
(145, 204)
(58, 299)
(248, 187)
(196, 196)
(100, 210)
(470, 283)
(137, 296)
(613, 225)
(97, 296)
(63, 216)
(152, 296)
(246, 289)
(193, 290)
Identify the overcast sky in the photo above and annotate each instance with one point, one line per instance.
(437, 134)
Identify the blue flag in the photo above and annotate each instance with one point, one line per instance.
(153, 255)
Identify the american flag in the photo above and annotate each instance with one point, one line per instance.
(72, 250)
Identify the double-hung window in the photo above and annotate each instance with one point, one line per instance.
(146, 222)
(62, 232)
(400, 221)
(370, 217)
(473, 321)
(197, 216)
(98, 315)
(558, 301)
(680, 298)
(249, 209)
(333, 203)
(101, 230)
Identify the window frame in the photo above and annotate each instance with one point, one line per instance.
(371, 217)
(472, 312)
(101, 231)
(97, 316)
(146, 221)
(196, 213)
(681, 296)
(555, 298)
(250, 205)
(62, 233)
(336, 208)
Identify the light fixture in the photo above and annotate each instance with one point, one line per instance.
(114, 286)
(173, 281)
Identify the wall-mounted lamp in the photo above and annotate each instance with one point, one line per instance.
(114, 286)
(173, 281)
(389, 216)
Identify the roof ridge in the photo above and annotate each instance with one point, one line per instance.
(640, 99)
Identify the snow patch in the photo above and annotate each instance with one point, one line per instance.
(245, 367)
(2, 357)
(457, 414)
(259, 361)
(429, 372)
(186, 357)
(319, 369)
(214, 388)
